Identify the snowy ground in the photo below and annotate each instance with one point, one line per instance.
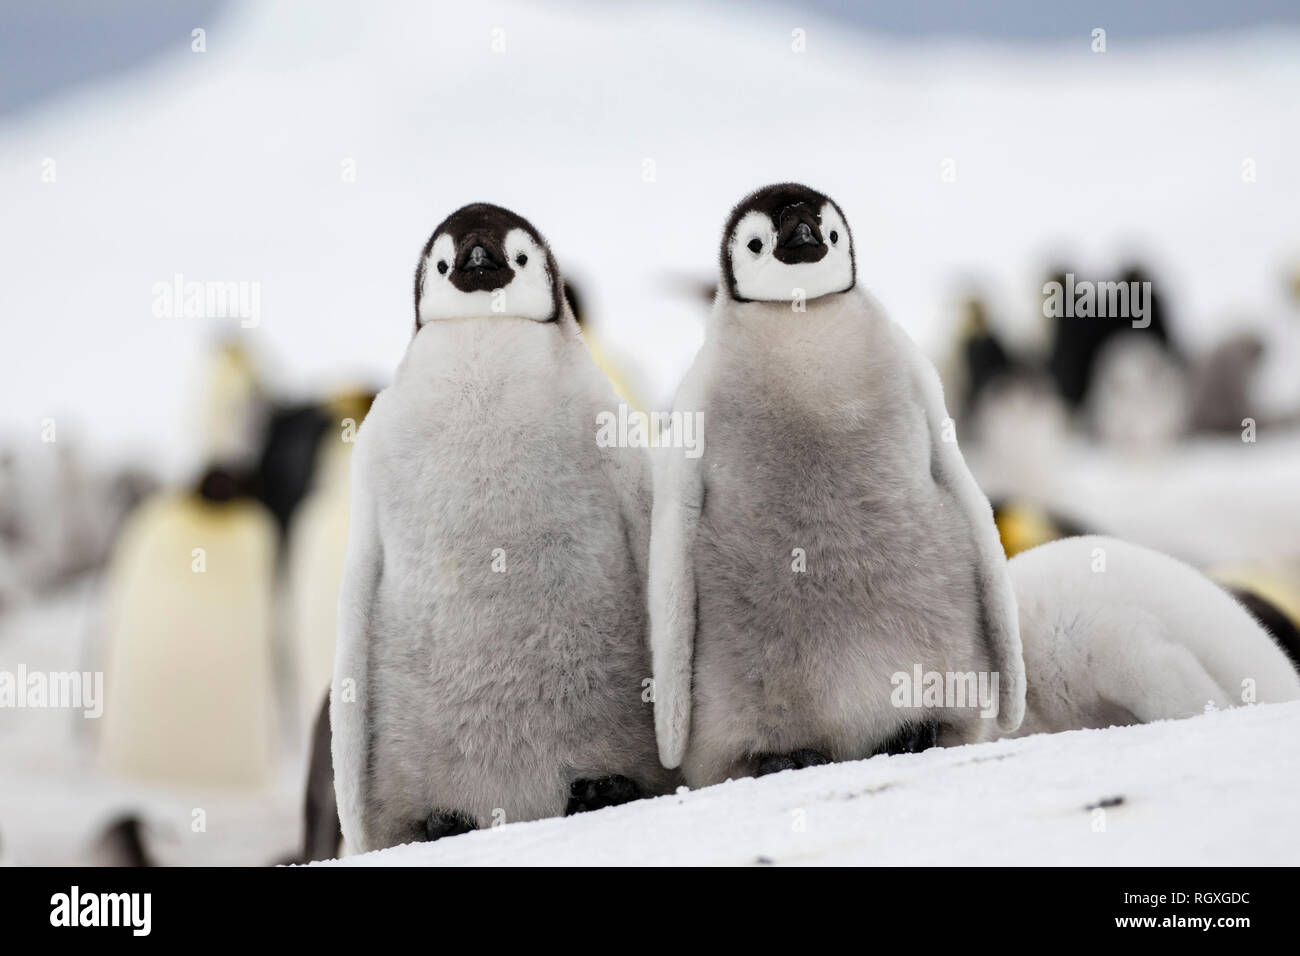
(54, 799)
(1220, 789)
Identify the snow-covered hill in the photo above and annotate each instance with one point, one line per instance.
(1213, 790)
(312, 148)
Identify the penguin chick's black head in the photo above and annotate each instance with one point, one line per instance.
(785, 241)
(484, 260)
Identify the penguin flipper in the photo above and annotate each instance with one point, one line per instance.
(349, 705)
(997, 600)
(678, 498)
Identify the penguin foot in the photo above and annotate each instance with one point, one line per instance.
(594, 794)
(775, 763)
(911, 739)
(443, 823)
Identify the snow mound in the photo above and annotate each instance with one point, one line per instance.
(1219, 789)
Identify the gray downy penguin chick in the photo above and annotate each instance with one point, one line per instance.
(828, 545)
(492, 640)
(1116, 634)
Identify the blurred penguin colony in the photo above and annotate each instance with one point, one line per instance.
(1115, 363)
(219, 598)
(1125, 393)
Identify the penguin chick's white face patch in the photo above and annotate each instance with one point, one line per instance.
(485, 261)
(787, 242)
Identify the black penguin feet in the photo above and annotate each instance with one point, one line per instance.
(600, 792)
(444, 823)
(911, 739)
(775, 763)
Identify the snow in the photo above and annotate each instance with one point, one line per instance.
(1218, 789)
(226, 165)
(55, 800)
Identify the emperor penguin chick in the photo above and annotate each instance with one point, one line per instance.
(492, 641)
(828, 542)
(1116, 634)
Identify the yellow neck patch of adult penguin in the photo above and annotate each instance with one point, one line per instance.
(485, 261)
(786, 242)
(1022, 527)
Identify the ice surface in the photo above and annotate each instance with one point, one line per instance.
(1218, 789)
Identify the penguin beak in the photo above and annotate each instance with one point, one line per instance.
(480, 265)
(802, 236)
(478, 258)
(799, 237)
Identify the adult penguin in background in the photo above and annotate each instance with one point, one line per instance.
(317, 542)
(288, 457)
(269, 444)
(492, 661)
(1282, 626)
(1139, 398)
(1136, 274)
(1013, 422)
(233, 410)
(1022, 525)
(188, 654)
(1221, 384)
(1077, 341)
(1074, 347)
(829, 537)
(1269, 590)
(1115, 634)
(985, 360)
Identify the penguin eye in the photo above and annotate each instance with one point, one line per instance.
(755, 246)
(442, 267)
(835, 237)
(521, 260)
